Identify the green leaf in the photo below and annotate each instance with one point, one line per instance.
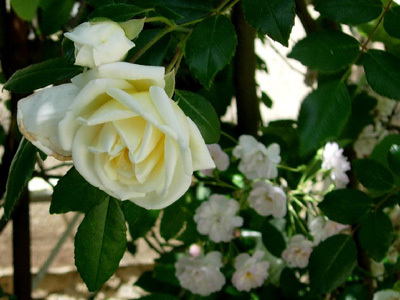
(373, 175)
(168, 13)
(273, 17)
(331, 262)
(266, 100)
(323, 115)
(100, 243)
(202, 114)
(381, 150)
(140, 220)
(352, 12)
(21, 170)
(118, 12)
(376, 233)
(173, 220)
(25, 9)
(394, 159)
(272, 239)
(68, 49)
(346, 206)
(74, 193)
(391, 22)
(328, 51)
(154, 56)
(190, 9)
(55, 15)
(210, 48)
(40, 75)
(382, 70)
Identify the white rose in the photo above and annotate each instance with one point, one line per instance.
(123, 133)
(200, 275)
(257, 161)
(334, 161)
(98, 43)
(297, 252)
(267, 199)
(217, 218)
(250, 271)
(321, 228)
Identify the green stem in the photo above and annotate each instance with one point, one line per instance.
(298, 169)
(176, 60)
(229, 7)
(220, 183)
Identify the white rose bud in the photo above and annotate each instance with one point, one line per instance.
(98, 43)
(124, 134)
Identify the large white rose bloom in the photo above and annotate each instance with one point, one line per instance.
(217, 218)
(257, 161)
(321, 228)
(298, 251)
(124, 134)
(200, 275)
(334, 161)
(251, 271)
(267, 199)
(98, 43)
(387, 295)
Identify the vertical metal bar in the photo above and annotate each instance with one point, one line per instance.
(21, 249)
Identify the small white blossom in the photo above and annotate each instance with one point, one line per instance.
(387, 295)
(220, 158)
(298, 251)
(251, 271)
(200, 275)
(334, 161)
(321, 228)
(257, 161)
(267, 199)
(217, 218)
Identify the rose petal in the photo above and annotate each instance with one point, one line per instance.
(40, 114)
(142, 77)
(89, 99)
(200, 155)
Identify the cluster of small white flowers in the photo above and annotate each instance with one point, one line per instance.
(220, 158)
(251, 271)
(368, 138)
(386, 295)
(257, 161)
(298, 251)
(200, 275)
(321, 228)
(267, 199)
(217, 218)
(334, 161)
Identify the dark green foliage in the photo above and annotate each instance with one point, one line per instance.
(100, 243)
(21, 170)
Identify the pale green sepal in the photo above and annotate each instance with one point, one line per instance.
(132, 27)
(170, 83)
